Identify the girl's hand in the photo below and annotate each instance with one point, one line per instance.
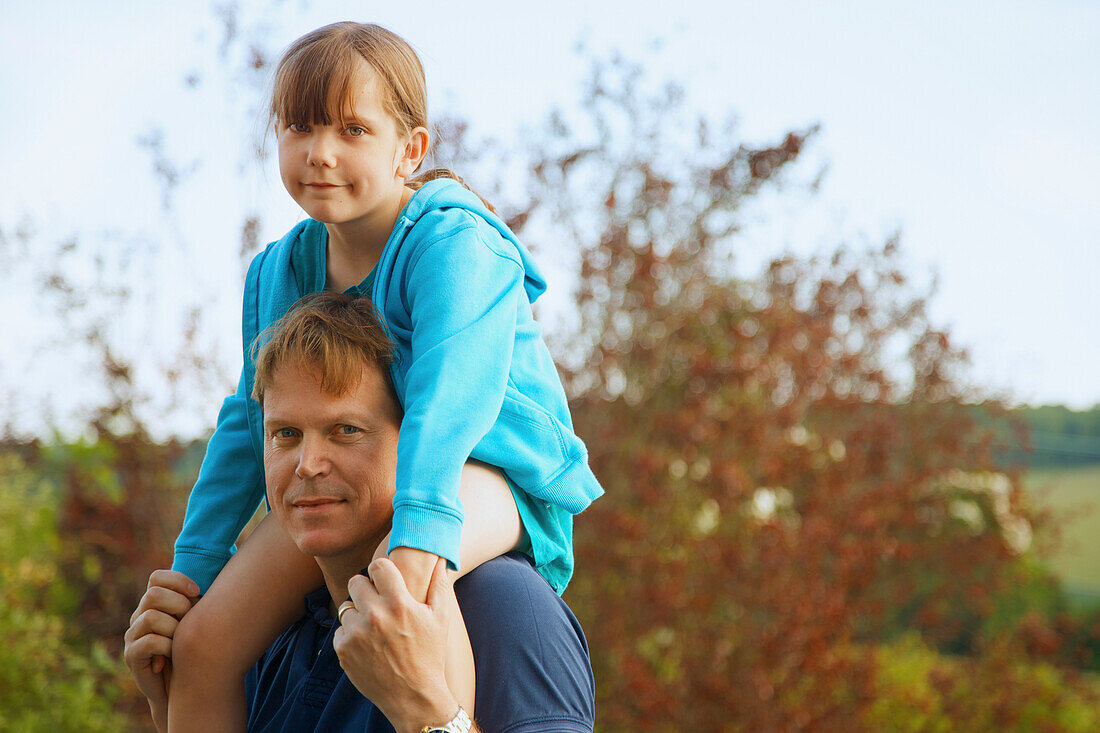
(148, 652)
(416, 567)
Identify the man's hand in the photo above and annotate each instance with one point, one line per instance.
(392, 647)
(148, 651)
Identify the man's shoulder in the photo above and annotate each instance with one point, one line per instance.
(508, 594)
(533, 668)
(511, 574)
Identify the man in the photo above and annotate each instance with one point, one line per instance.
(331, 424)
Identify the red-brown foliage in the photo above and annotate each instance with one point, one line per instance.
(791, 468)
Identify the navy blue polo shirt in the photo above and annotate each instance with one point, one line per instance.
(531, 657)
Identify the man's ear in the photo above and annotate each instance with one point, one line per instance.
(413, 155)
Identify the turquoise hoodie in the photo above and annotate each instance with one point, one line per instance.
(454, 288)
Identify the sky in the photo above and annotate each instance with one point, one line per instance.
(967, 127)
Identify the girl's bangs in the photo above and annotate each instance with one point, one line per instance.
(314, 85)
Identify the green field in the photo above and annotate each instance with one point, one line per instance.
(1074, 495)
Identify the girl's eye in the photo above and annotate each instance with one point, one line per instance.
(298, 127)
(356, 131)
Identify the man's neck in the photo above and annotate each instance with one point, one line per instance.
(339, 570)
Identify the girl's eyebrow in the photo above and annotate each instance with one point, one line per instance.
(352, 117)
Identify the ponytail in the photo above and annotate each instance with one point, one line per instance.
(434, 173)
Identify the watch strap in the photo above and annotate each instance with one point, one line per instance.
(460, 723)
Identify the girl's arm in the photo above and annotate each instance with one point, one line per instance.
(462, 297)
(229, 488)
(462, 294)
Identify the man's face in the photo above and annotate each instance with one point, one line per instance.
(330, 460)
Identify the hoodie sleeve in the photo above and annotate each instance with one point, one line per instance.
(462, 295)
(229, 488)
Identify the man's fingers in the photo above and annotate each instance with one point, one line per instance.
(388, 579)
(139, 653)
(160, 598)
(168, 590)
(152, 622)
(174, 580)
(440, 593)
(361, 588)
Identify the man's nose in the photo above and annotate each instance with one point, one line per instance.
(314, 458)
(322, 151)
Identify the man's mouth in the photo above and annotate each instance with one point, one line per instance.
(316, 503)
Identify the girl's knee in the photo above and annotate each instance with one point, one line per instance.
(201, 643)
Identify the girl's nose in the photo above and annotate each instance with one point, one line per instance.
(322, 152)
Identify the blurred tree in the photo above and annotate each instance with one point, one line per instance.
(51, 677)
(793, 471)
(778, 493)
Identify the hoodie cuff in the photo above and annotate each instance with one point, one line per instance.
(427, 528)
(201, 567)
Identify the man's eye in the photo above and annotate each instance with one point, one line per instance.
(284, 433)
(347, 430)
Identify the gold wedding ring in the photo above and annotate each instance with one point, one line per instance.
(344, 608)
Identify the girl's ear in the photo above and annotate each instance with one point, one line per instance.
(415, 149)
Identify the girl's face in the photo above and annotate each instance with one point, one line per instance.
(352, 173)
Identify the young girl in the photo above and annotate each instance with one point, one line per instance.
(471, 371)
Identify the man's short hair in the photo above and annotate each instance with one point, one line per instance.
(330, 332)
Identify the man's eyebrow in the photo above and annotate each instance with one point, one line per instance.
(367, 421)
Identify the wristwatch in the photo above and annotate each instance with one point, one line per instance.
(460, 723)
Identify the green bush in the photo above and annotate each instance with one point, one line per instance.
(51, 679)
(920, 690)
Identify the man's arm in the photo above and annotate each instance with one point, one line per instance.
(392, 647)
(148, 650)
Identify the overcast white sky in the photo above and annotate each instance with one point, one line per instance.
(970, 127)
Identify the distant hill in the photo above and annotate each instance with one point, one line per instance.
(1061, 436)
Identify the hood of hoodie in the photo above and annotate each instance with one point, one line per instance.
(446, 193)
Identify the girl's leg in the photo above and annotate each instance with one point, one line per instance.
(491, 528)
(254, 598)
